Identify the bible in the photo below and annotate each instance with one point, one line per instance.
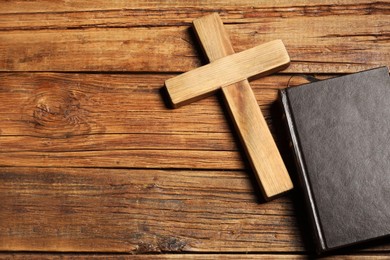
(340, 136)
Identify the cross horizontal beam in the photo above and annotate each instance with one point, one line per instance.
(203, 81)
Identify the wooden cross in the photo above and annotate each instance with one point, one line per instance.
(229, 71)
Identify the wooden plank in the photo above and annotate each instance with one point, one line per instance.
(139, 211)
(137, 158)
(203, 81)
(122, 141)
(65, 105)
(106, 120)
(148, 5)
(116, 96)
(144, 211)
(256, 139)
(45, 256)
(360, 43)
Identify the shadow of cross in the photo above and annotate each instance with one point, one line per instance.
(229, 71)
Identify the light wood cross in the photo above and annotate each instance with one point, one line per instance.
(229, 71)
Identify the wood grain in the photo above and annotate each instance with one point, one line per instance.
(345, 37)
(50, 119)
(116, 114)
(101, 97)
(260, 60)
(256, 139)
(35, 6)
(43, 256)
(109, 120)
(145, 211)
(139, 211)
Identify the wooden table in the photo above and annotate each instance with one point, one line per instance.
(93, 163)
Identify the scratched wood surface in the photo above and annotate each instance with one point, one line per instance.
(92, 162)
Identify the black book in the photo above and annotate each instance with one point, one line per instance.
(340, 134)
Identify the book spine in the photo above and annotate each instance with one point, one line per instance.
(302, 173)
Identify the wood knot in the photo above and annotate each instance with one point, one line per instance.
(57, 112)
(160, 244)
(171, 244)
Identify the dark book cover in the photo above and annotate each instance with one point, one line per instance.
(340, 134)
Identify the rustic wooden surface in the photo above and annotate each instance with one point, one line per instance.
(93, 163)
